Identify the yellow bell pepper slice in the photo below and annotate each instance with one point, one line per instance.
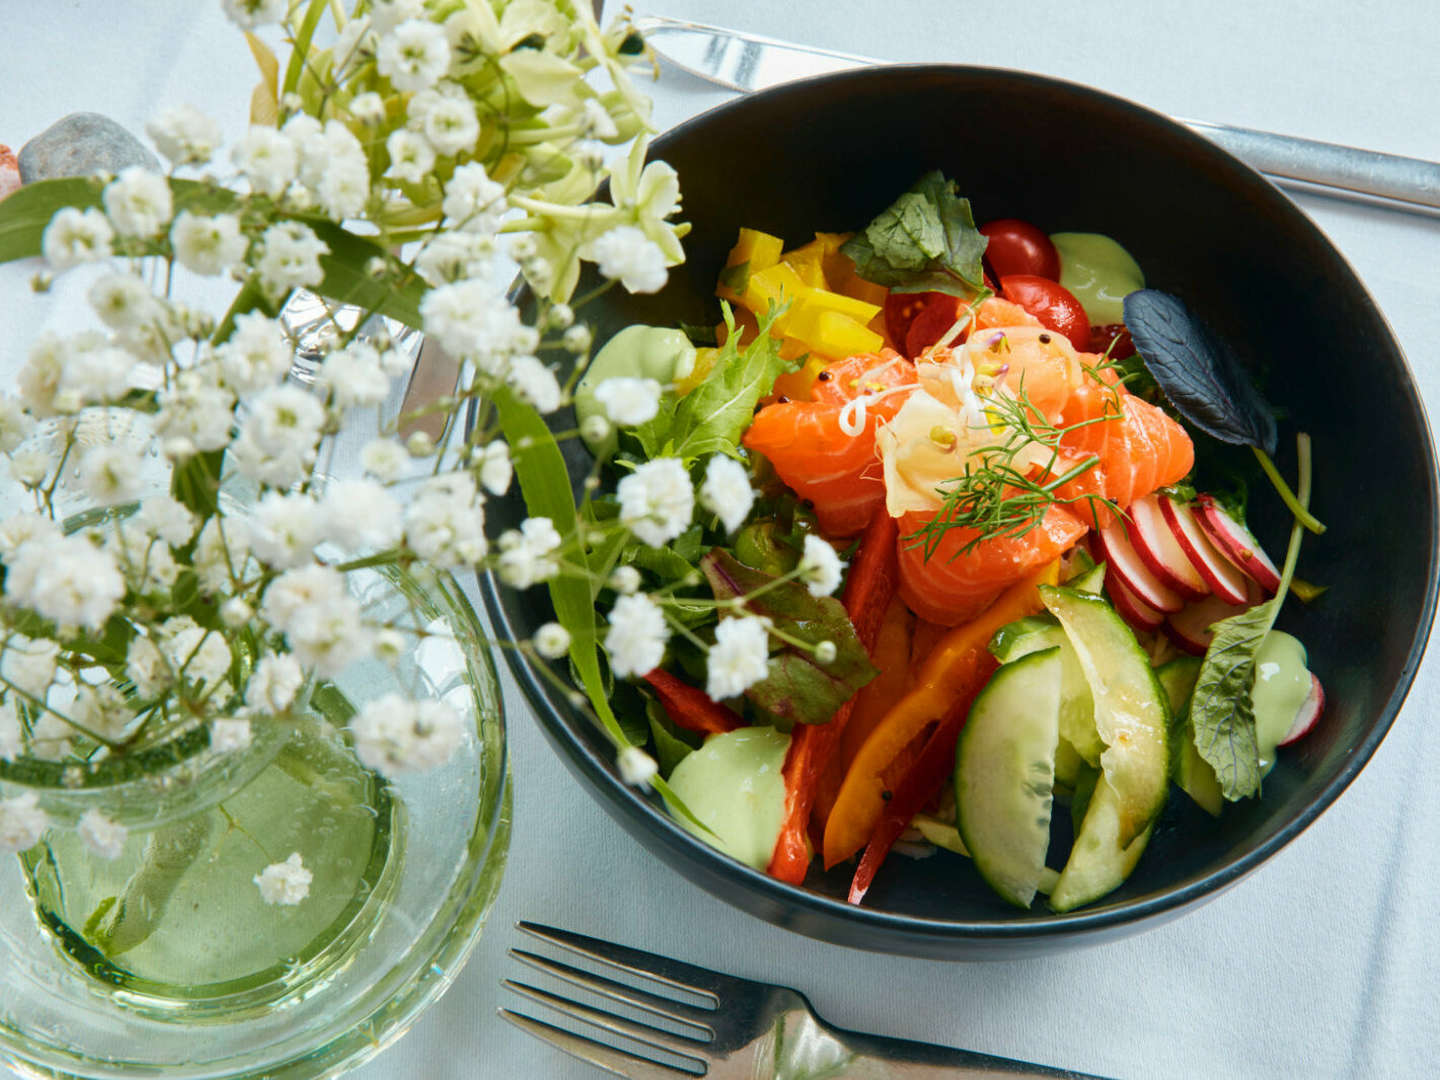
(826, 300)
(753, 252)
(832, 333)
(777, 284)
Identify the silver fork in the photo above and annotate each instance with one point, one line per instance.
(702, 1023)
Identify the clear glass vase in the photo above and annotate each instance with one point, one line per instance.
(166, 959)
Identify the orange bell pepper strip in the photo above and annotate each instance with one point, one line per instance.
(953, 674)
(690, 707)
(873, 580)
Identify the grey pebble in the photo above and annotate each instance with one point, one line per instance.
(81, 144)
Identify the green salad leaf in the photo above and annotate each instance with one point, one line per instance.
(712, 418)
(925, 241)
(798, 689)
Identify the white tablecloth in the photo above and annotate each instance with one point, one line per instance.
(1324, 962)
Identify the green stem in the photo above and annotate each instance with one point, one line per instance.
(1296, 506)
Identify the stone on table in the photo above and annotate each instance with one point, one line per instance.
(81, 144)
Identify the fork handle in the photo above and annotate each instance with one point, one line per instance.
(880, 1057)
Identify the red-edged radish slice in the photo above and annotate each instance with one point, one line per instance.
(1310, 710)
(1127, 565)
(1190, 629)
(1155, 543)
(1140, 615)
(1237, 542)
(1225, 579)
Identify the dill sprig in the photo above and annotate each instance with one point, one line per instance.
(995, 496)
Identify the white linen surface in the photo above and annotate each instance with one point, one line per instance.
(1324, 962)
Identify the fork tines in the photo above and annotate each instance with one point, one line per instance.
(683, 1044)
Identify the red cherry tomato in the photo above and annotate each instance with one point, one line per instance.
(901, 308)
(1017, 247)
(1050, 302)
(1101, 338)
(934, 320)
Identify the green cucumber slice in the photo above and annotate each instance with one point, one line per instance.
(1005, 772)
(1077, 707)
(1192, 773)
(1132, 714)
(1100, 861)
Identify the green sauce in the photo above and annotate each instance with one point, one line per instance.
(638, 352)
(733, 785)
(1099, 272)
(1282, 683)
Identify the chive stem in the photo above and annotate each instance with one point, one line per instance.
(1294, 505)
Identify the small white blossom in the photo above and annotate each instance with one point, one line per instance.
(208, 245)
(820, 567)
(624, 580)
(552, 641)
(30, 467)
(22, 823)
(393, 735)
(636, 637)
(577, 339)
(69, 580)
(384, 459)
(657, 501)
(235, 612)
(146, 561)
(412, 158)
(595, 428)
(446, 117)
(445, 522)
(415, 56)
(525, 554)
(278, 439)
(101, 835)
(138, 202)
(26, 525)
(627, 255)
(472, 320)
(15, 425)
(739, 658)
(93, 377)
(251, 14)
(110, 475)
(76, 236)
(268, 159)
(353, 376)
(389, 14)
(628, 401)
(452, 256)
(495, 468)
(419, 444)
(284, 529)
(103, 709)
(637, 768)
(123, 301)
(726, 491)
(320, 619)
(361, 515)
(197, 413)
(198, 653)
(28, 664)
(168, 518)
(221, 555)
(273, 684)
(534, 383)
(389, 645)
(185, 135)
(11, 733)
(229, 734)
(473, 201)
(285, 883)
(344, 184)
(369, 107)
(289, 258)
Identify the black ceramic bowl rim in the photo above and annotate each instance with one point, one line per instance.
(788, 905)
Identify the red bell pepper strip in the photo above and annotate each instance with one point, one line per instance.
(872, 582)
(691, 708)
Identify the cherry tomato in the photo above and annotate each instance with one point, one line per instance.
(1050, 302)
(901, 308)
(1017, 247)
(934, 320)
(1102, 336)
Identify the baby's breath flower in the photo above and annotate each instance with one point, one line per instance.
(446, 117)
(320, 619)
(123, 301)
(412, 158)
(11, 734)
(415, 56)
(138, 202)
(384, 459)
(76, 236)
(472, 200)
(624, 580)
(286, 883)
(230, 733)
(389, 645)
(552, 641)
(739, 658)
(28, 664)
(445, 522)
(820, 567)
(656, 501)
(626, 254)
(273, 684)
(278, 439)
(257, 354)
(110, 475)
(595, 428)
(208, 245)
(168, 518)
(419, 444)
(235, 612)
(251, 14)
(360, 515)
(197, 412)
(494, 467)
(388, 14)
(637, 768)
(283, 529)
(185, 135)
(534, 383)
(369, 107)
(289, 258)
(577, 339)
(16, 426)
(101, 835)
(22, 823)
(636, 637)
(525, 553)
(69, 580)
(629, 401)
(726, 491)
(353, 376)
(268, 159)
(394, 736)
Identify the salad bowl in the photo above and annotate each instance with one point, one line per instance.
(826, 155)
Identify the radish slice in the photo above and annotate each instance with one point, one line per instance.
(1140, 615)
(1309, 713)
(1190, 629)
(1225, 579)
(1131, 569)
(1237, 542)
(1156, 545)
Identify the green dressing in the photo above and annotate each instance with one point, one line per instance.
(1099, 272)
(1282, 683)
(734, 786)
(637, 352)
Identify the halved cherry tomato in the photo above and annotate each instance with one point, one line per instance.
(1050, 302)
(901, 308)
(1102, 337)
(933, 322)
(1017, 247)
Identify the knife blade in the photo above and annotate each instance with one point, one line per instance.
(745, 62)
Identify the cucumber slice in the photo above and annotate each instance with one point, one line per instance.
(1192, 773)
(1100, 861)
(1132, 714)
(1091, 581)
(1005, 772)
(1077, 709)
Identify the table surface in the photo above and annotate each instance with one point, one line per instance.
(1324, 961)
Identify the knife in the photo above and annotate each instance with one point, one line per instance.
(745, 62)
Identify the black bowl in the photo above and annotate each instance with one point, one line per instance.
(828, 154)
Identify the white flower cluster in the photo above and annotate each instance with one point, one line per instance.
(393, 735)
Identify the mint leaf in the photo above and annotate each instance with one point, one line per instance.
(925, 241)
(1220, 709)
(797, 690)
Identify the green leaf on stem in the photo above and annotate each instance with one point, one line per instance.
(925, 241)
